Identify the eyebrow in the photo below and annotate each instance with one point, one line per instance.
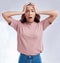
(31, 9)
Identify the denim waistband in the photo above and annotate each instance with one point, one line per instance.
(30, 56)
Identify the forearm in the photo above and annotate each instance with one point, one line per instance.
(11, 13)
(50, 13)
(7, 15)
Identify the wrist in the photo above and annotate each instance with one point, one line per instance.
(20, 12)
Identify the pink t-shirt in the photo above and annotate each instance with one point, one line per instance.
(29, 36)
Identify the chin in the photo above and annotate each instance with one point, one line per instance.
(31, 21)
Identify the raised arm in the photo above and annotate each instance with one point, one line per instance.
(8, 15)
(51, 17)
(51, 13)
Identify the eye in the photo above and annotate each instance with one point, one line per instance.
(32, 11)
(27, 10)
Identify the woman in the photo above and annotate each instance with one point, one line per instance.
(29, 31)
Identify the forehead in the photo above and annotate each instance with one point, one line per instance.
(29, 7)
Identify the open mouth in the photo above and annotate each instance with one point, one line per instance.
(30, 17)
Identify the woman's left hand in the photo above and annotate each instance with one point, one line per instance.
(24, 8)
(35, 7)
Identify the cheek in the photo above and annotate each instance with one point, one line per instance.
(26, 14)
(34, 15)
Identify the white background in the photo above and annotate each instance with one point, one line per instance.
(8, 36)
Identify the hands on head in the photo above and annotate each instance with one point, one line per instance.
(34, 5)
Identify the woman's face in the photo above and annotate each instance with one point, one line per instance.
(30, 13)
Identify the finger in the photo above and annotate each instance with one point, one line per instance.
(24, 7)
(33, 4)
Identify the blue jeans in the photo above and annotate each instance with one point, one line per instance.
(29, 58)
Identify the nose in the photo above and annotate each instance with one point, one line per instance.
(30, 12)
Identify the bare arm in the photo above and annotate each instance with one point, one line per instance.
(52, 14)
(8, 15)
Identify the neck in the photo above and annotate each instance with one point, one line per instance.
(29, 22)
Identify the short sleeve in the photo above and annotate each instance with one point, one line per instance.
(45, 23)
(14, 24)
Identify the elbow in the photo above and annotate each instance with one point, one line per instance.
(4, 14)
(54, 14)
